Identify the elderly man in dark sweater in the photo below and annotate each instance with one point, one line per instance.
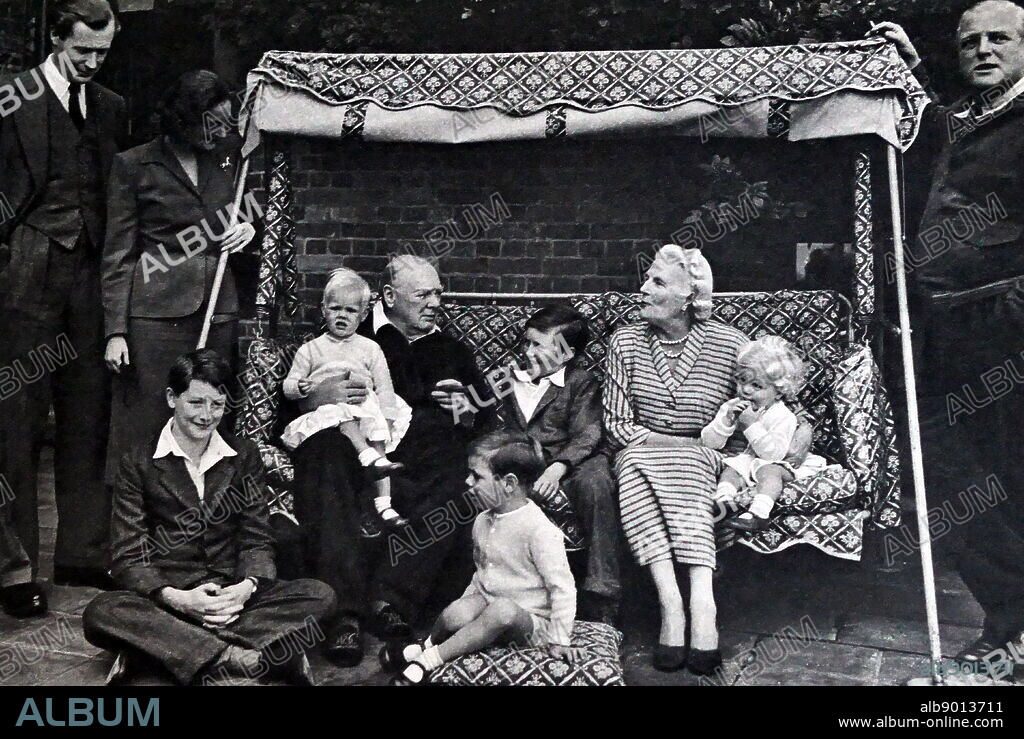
(968, 270)
(427, 369)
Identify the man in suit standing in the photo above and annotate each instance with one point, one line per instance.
(192, 545)
(57, 142)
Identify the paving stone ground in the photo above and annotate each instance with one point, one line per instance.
(793, 618)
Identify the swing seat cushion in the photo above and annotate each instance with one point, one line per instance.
(600, 665)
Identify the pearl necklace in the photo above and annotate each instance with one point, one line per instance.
(672, 342)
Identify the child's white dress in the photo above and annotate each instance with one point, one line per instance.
(768, 442)
(328, 362)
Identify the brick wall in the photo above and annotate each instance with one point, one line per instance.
(549, 216)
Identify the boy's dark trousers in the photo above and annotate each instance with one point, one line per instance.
(566, 422)
(591, 488)
(275, 619)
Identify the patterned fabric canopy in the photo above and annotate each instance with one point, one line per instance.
(810, 91)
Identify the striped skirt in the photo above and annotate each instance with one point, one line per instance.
(665, 497)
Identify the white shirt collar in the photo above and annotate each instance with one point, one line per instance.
(555, 378)
(380, 319)
(60, 85)
(215, 451)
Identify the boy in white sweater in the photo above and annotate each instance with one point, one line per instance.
(523, 592)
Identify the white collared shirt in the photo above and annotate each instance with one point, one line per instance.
(61, 87)
(528, 394)
(216, 450)
(381, 319)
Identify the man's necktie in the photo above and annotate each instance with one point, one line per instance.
(75, 106)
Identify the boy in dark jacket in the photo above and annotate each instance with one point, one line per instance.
(559, 404)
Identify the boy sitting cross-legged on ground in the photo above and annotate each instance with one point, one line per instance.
(523, 592)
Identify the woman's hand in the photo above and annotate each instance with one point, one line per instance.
(894, 33)
(237, 237)
(116, 355)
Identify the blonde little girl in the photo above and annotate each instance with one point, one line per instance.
(318, 370)
(768, 375)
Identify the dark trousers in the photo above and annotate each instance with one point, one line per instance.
(52, 352)
(431, 556)
(275, 620)
(971, 426)
(15, 566)
(591, 488)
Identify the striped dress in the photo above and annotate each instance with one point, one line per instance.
(665, 494)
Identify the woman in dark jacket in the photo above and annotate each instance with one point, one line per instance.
(169, 205)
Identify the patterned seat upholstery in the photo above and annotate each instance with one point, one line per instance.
(844, 400)
(534, 666)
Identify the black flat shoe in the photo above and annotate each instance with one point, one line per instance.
(369, 527)
(344, 648)
(670, 659)
(380, 471)
(990, 640)
(752, 525)
(704, 661)
(396, 522)
(24, 600)
(84, 577)
(294, 670)
(388, 624)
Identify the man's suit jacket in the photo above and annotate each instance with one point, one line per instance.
(149, 271)
(24, 142)
(567, 420)
(161, 535)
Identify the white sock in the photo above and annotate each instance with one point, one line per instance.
(725, 490)
(368, 456)
(430, 659)
(411, 652)
(383, 505)
(762, 506)
(428, 643)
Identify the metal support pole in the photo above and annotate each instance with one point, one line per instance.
(916, 460)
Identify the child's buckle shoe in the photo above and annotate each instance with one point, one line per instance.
(380, 471)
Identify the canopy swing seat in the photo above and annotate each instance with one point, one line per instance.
(791, 93)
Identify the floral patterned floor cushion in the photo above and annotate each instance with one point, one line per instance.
(534, 666)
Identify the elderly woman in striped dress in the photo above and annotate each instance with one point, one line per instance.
(666, 379)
